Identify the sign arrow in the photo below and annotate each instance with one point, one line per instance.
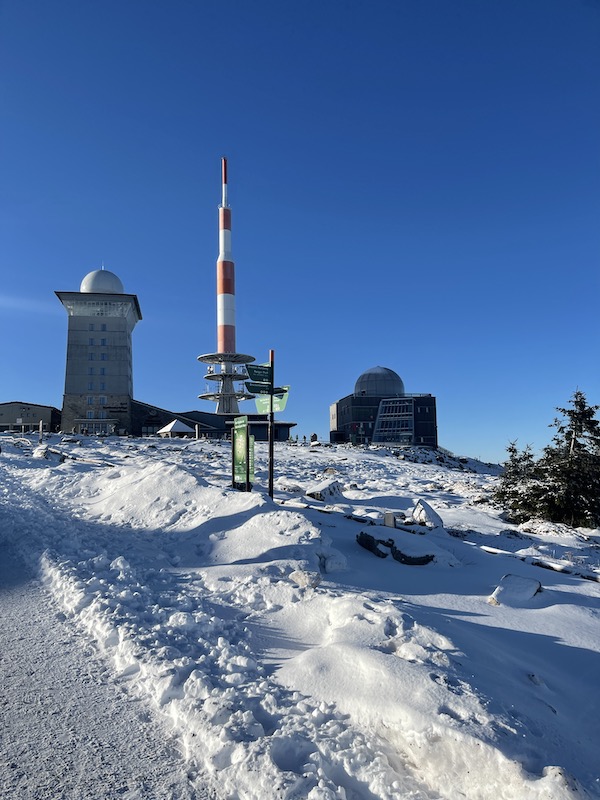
(260, 373)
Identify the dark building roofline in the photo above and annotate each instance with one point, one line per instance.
(183, 417)
(23, 403)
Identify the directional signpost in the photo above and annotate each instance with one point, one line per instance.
(263, 403)
(258, 388)
(263, 373)
(262, 382)
(265, 388)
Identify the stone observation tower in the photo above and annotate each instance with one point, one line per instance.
(226, 366)
(99, 370)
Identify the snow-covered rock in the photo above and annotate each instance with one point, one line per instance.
(424, 514)
(514, 590)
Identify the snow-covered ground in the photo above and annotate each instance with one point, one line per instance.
(67, 730)
(290, 662)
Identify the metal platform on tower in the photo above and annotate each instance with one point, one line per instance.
(232, 370)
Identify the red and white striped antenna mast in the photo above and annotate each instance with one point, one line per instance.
(224, 182)
(226, 396)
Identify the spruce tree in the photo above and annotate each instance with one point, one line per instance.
(569, 469)
(515, 481)
(564, 484)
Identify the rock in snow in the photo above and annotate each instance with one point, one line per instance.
(424, 514)
(514, 590)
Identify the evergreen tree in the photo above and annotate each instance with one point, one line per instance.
(581, 429)
(569, 469)
(564, 484)
(515, 481)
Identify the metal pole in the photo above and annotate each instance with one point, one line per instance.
(271, 422)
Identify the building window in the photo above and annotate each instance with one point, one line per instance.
(90, 415)
(102, 386)
(91, 326)
(103, 326)
(102, 370)
(90, 356)
(91, 342)
(103, 357)
(91, 386)
(395, 422)
(103, 401)
(103, 342)
(90, 370)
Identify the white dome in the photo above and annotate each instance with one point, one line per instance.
(101, 281)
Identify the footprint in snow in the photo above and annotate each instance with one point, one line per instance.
(452, 684)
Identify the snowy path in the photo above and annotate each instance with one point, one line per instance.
(67, 730)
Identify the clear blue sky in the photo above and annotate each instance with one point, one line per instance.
(414, 184)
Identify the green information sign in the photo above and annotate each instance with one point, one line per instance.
(263, 403)
(258, 388)
(265, 388)
(251, 458)
(243, 452)
(260, 372)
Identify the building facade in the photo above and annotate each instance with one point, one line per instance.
(381, 411)
(99, 369)
(24, 417)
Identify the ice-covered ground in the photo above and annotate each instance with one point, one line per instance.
(289, 661)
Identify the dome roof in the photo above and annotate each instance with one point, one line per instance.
(379, 382)
(101, 281)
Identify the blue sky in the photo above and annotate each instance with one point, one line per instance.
(414, 185)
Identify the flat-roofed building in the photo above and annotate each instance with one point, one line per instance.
(99, 369)
(24, 417)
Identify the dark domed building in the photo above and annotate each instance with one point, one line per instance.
(379, 382)
(379, 410)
